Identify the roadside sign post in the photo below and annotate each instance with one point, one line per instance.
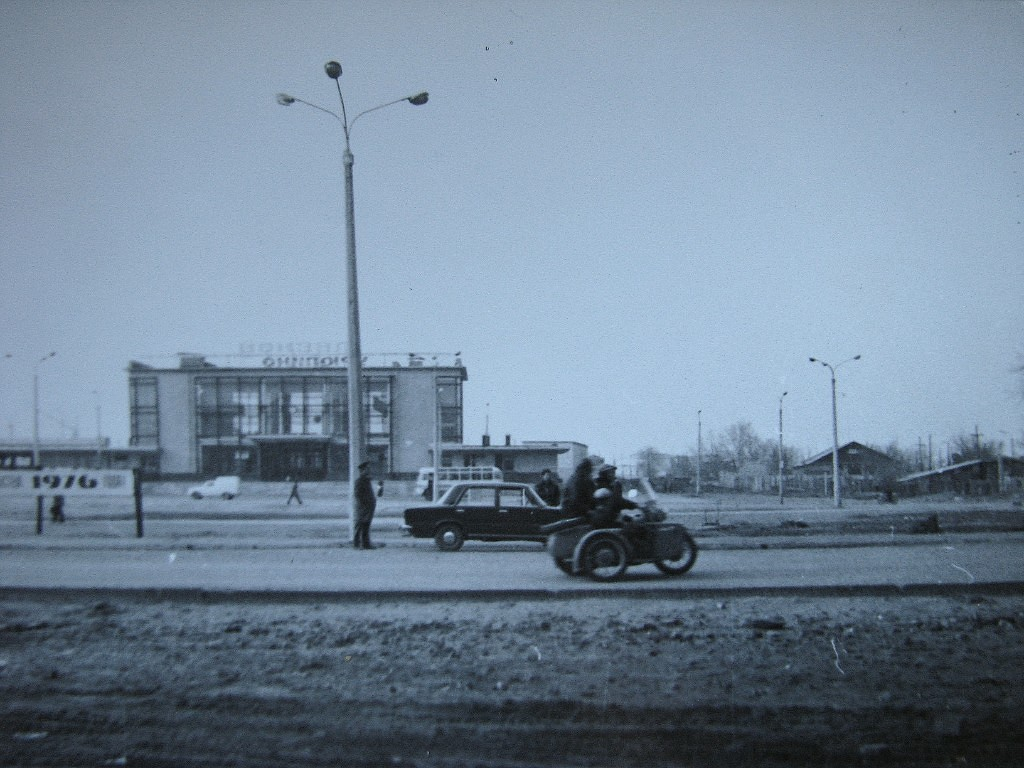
(137, 494)
(81, 483)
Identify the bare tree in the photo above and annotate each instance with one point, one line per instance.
(650, 462)
(966, 447)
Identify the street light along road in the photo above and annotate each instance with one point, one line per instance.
(356, 434)
(836, 493)
(35, 409)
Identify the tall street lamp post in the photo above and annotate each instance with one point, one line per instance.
(355, 360)
(836, 493)
(698, 453)
(782, 461)
(35, 409)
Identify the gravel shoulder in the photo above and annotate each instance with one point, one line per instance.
(918, 681)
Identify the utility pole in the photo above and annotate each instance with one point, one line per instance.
(782, 460)
(698, 453)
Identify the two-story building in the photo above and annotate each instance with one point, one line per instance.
(278, 416)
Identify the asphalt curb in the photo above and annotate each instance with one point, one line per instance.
(214, 596)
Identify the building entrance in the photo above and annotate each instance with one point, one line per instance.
(301, 460)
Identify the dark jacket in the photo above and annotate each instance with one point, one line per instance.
(366, 499)
(606, 513)
(579, 491)
(549, 492)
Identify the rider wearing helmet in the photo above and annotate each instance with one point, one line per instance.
(608, 498)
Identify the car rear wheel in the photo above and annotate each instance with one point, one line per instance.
(449, 537)
(684, 562)
(604, 559)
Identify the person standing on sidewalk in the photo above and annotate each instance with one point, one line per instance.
(366, 504)
(295, 492)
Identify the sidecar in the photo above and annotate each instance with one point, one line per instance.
(603, 554)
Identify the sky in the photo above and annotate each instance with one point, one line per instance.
(620, 213)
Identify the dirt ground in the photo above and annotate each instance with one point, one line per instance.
(825, 681)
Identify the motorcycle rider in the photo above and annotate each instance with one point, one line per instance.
(609, 499)
(579, 490)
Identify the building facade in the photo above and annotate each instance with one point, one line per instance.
(862, 469)
(287, 416)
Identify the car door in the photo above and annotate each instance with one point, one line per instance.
(475, 510)
(543, 514)
(515, 513)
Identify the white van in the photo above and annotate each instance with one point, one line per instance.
(449, 476)
(225, 486)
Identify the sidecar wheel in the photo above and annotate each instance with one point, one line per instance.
(604, 559)
(564, 565)
(684, 562)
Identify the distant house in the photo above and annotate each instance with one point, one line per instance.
(978, 477)
(864, 470)
(751, 477)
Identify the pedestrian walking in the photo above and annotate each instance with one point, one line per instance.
(57, 509)
(294, 493)
(366, 504)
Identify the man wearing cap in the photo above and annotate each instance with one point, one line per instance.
(366, 503)
(608, 492)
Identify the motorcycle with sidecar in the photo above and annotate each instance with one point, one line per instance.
(604, 554)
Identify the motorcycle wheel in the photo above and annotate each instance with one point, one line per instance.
(684, 562)
(604, 559)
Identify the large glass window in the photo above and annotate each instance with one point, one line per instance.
(206, 407)
(291, 407)
(249, 407)
(229, 406)
(142, 396)
(314, 406)
(378, 400)
(449, 395)
(270, 406)
(336, 407)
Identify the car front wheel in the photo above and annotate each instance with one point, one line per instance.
(449, 537)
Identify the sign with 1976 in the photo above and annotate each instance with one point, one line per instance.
(67, 482)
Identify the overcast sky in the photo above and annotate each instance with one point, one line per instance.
(620, 213)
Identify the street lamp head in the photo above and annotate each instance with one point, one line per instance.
(419, 99)
(856, 357)
(814, 359)
(333, 69)
(285, 100)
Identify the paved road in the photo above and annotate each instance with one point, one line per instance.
(416, 567)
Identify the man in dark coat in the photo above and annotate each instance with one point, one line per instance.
(366, 504)
(579, 491)
(548, 490)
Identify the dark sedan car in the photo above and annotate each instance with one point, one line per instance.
(484, 510)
